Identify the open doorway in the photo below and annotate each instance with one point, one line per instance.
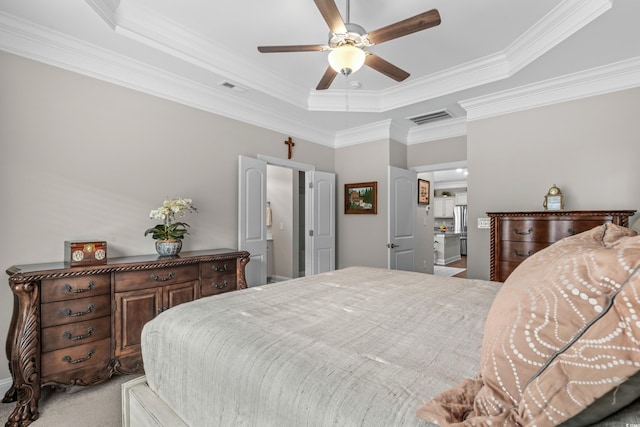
(319, 217)
(444, 221)
(285, 223)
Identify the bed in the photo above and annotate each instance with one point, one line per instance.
(373, 347)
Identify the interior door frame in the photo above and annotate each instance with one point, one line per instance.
(434, 167)
(276, 161)
(296, 166)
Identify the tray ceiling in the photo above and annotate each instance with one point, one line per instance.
(204, 54)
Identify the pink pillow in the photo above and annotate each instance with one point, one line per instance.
(562, 333)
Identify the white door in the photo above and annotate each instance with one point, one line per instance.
(320, 219)
(403, 204)
(252, 225)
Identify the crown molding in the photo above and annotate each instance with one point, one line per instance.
(363, 134)
(149, 28)
(564, 20)
(465, 76)
(560, 23)
(596, 81)
(106, 9)
(44, 45)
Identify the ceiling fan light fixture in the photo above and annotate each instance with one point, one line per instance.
(346, 59)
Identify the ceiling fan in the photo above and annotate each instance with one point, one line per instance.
(347, 43)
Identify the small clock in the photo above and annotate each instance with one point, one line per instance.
(101, 254)
(554, 200)
(85, 253)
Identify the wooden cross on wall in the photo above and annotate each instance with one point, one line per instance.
(291, 144)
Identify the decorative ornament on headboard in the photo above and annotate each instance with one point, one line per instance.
(291, 144)
(554, 200)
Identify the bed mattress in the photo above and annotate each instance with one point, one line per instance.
(354, 347)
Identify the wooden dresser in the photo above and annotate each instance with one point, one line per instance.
(82, 325)
(518, 235)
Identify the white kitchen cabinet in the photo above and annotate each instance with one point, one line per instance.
(461, 199)
(446, 248)
(443, 207)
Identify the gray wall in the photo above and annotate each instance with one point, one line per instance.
(436, 152)
(397, 154)
(85, 159)
(362, 239)
(590, 148)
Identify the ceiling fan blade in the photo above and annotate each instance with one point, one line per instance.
(411, 25)
(293, 48)
(331, 15)
(386, 68)
(327, 79)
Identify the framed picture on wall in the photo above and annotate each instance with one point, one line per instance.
(361, 198)
(423, 192)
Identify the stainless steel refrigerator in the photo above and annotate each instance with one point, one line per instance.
(460, 226)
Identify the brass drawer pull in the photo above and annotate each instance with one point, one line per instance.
(523, 255)
(159, 279)
(523, 233)
(225, 267)
(69, 289)
(68, 312)
(220, 285)
(90, 331)
(76, 361)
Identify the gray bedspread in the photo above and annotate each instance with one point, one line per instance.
(354, 347)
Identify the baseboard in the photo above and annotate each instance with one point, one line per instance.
(279, 279)
(5, 385)
(452, 259)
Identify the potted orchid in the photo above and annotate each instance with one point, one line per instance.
(169, 234)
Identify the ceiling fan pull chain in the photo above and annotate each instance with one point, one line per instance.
(346, 94)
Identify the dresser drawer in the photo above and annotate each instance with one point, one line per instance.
(79, 356)
(217, 268)
(77, 310)
(218, 284)
(565, 228)
(75, 287)
(506, 268)
(132, 280)
(525, 230)
(56, 337)
(519, 251)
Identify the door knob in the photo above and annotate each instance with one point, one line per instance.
(392, 245)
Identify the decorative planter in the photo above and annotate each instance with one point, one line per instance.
(165, 248)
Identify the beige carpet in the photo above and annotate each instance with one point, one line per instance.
(97, 406)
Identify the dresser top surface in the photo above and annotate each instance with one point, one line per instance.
(114, 264)
(609, 212)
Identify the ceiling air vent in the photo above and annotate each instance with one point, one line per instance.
(431, 117)
(232, 86)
